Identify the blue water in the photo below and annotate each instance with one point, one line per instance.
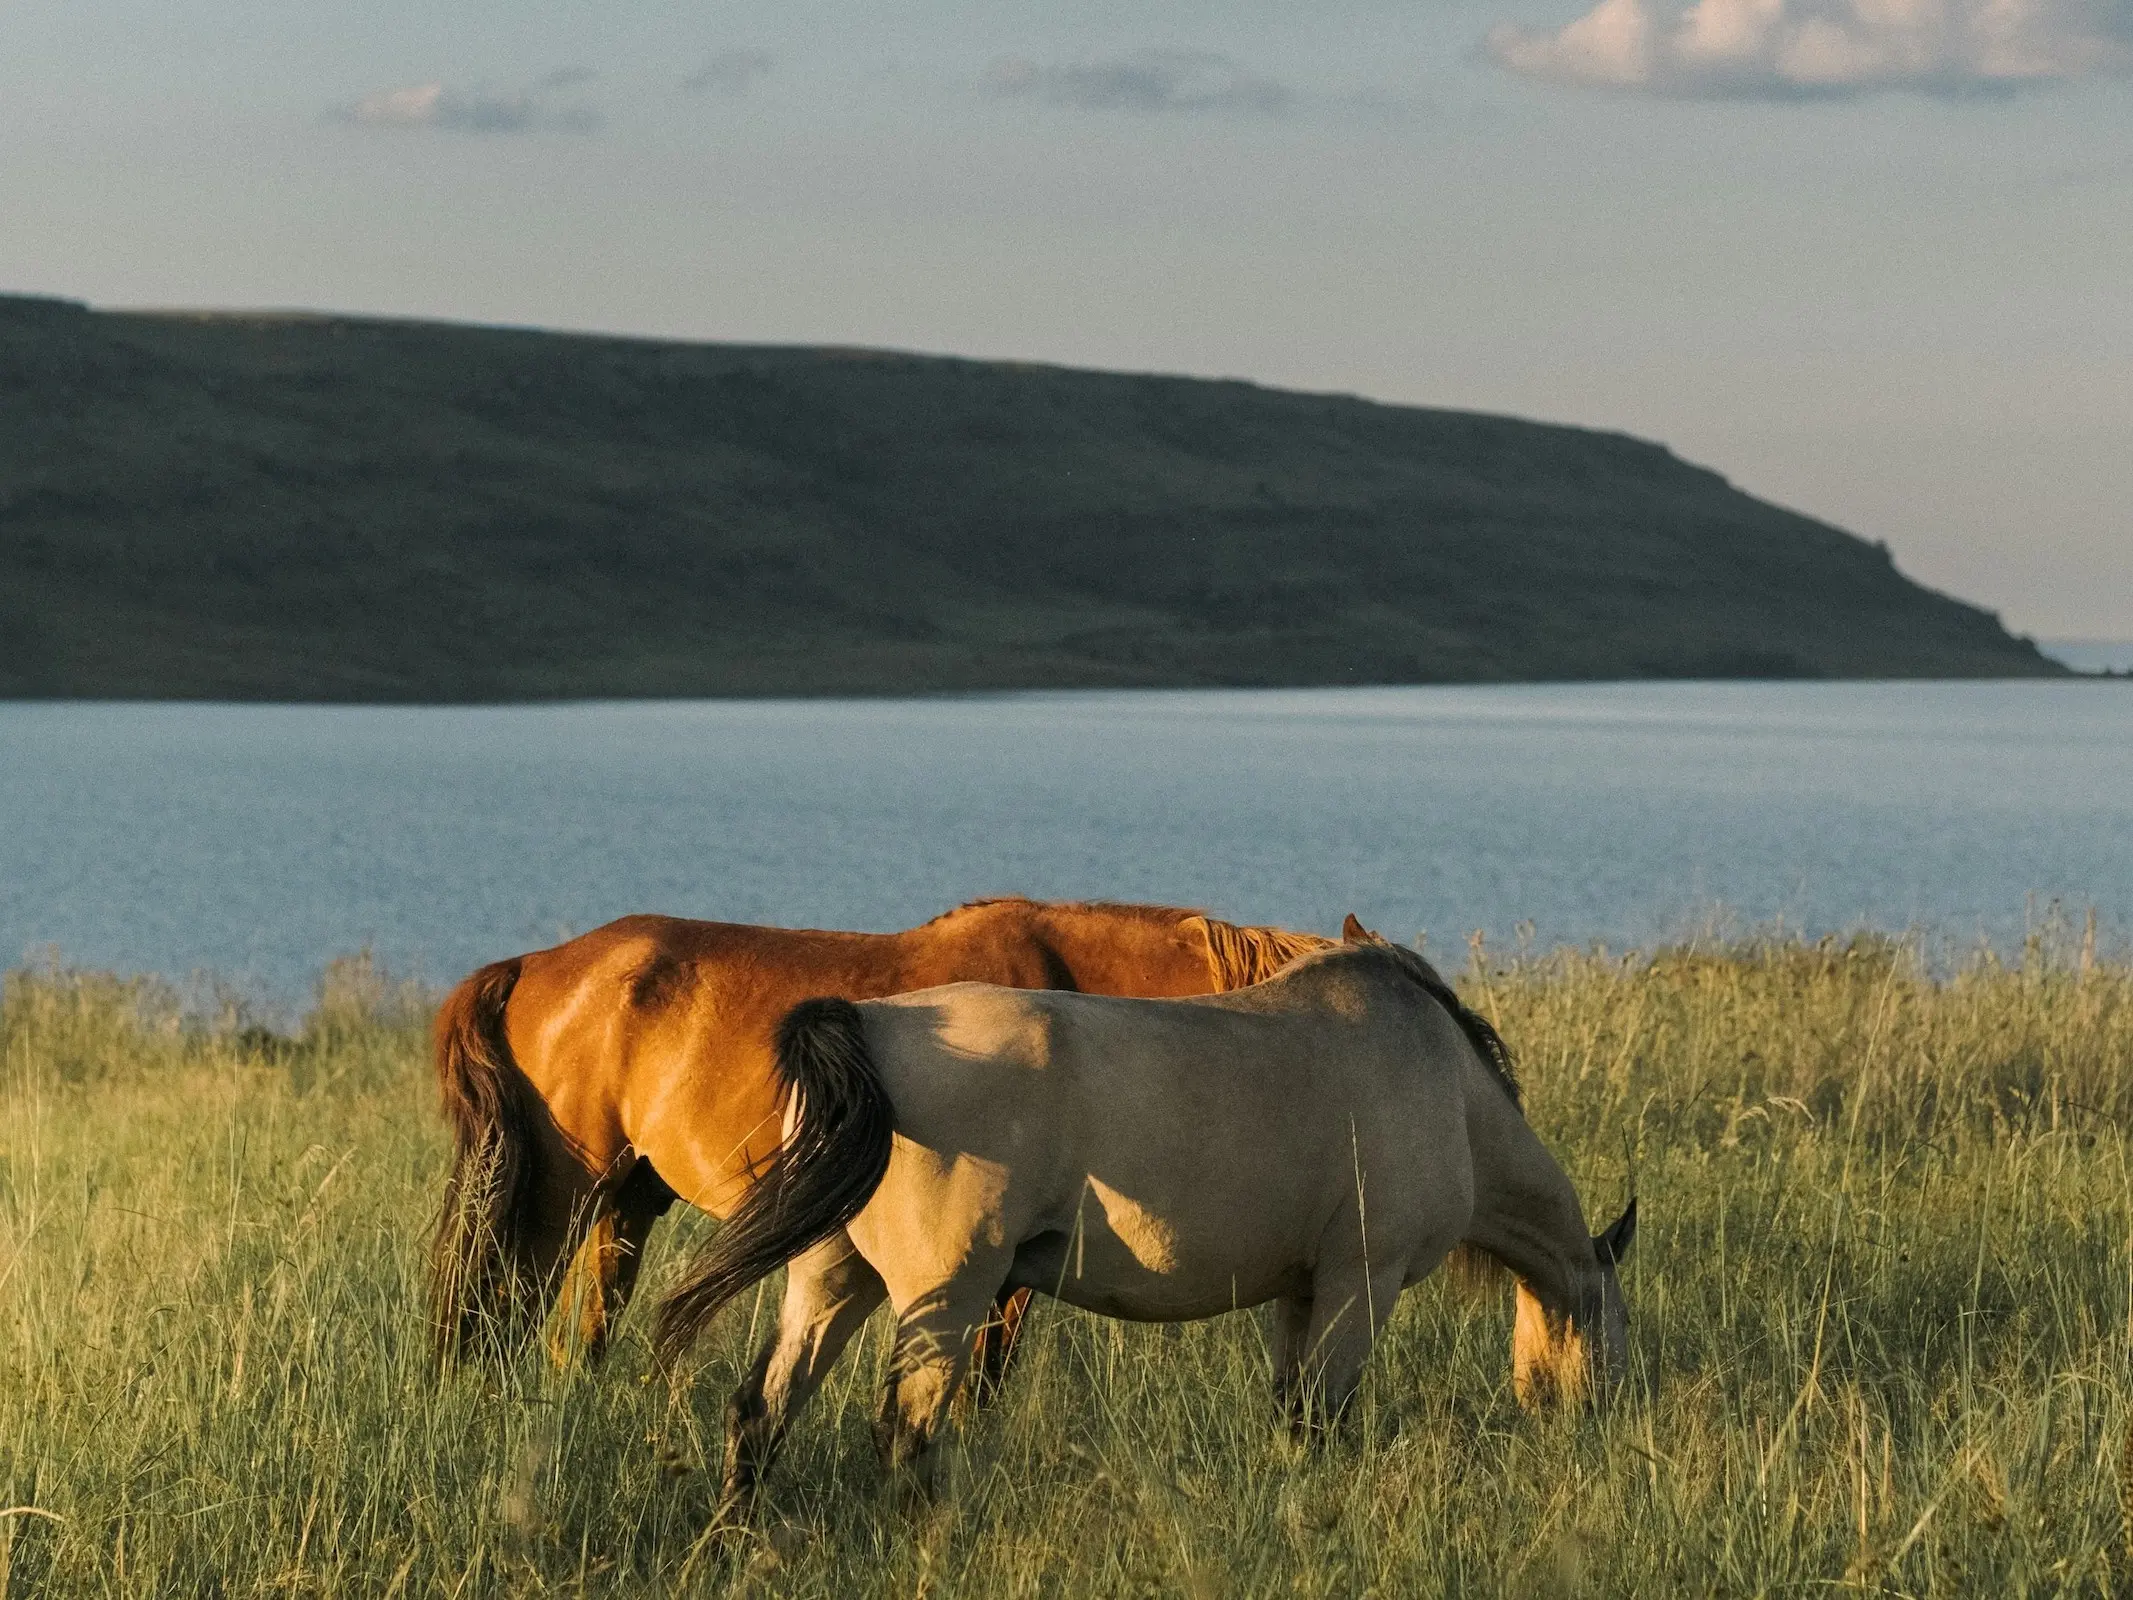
(258, 842)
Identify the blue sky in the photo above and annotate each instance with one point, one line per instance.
(1871, 258)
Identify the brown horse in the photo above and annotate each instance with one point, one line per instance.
(590, 1085)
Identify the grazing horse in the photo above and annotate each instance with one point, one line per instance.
(590, 1085)
(1322, 1140)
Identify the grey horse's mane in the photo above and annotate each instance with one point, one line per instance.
(1480, 1032)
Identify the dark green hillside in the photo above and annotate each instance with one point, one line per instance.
(333, 508)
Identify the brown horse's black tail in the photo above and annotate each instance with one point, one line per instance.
(818, 1181)
(480, 1267)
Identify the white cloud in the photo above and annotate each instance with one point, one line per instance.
(730, 72)
(1826, 48)
(1148, 80)
(435, 105)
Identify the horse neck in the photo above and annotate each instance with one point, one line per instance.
(1526, 1214)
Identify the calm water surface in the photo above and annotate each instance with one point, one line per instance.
(260, 841)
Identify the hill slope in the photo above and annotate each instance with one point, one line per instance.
(334, 508)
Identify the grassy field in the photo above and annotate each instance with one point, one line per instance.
(1883, 1299)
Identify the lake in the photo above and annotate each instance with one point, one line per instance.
(259, 841)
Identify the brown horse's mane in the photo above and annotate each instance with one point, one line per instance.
(1244, 956)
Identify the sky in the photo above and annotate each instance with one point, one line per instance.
(1872, 259)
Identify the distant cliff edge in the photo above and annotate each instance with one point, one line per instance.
(333, 508)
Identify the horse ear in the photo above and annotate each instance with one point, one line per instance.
(1613, 1245)
(1353, 932)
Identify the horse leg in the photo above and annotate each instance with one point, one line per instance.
(561, 1204)
(1348, 1306)
(1292, 1320)
(934, 1335)
(829, 1293)
(604, 1271)
(995, 1349)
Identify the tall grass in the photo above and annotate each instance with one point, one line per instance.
(1883, 1299)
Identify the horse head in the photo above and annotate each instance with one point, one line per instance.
(1579, 1355)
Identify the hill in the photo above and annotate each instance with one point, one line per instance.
(318, 507)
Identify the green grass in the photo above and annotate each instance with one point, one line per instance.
(1883, 1286)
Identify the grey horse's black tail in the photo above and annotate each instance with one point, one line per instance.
(821, 1178)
